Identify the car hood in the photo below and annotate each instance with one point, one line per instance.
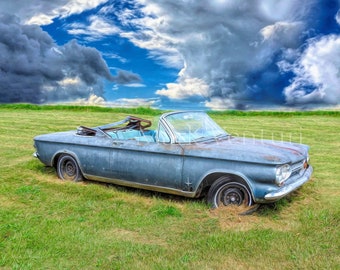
(250, 150)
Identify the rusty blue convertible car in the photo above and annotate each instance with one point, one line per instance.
(185, 153)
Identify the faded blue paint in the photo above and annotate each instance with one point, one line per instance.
(177, 168)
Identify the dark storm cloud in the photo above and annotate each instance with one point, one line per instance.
(34, 69)
(87, 63)
(126, 77)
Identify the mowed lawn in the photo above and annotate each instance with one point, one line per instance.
(46, 223)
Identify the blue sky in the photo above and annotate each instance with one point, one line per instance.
(218, 54)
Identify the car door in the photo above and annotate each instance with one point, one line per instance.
(95, 157)
(147, 163)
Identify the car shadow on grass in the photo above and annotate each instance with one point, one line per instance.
(146, 193)
(268, 209)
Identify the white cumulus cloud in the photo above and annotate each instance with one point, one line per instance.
(92, 100)
(317, 73)
(43, 12)
(185, 88)
(337, 17)
(96, 28)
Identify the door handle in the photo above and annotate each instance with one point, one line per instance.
(117, 143)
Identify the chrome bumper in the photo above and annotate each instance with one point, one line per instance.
(285, 190)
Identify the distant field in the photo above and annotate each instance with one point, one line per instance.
(49, 224)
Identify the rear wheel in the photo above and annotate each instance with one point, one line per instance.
(227, 191)
(68, 169)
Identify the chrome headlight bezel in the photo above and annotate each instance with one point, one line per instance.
(282, 174)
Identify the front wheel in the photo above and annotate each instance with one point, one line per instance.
(226, 191)
(68, 169)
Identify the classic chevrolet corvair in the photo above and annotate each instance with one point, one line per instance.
(187, 154)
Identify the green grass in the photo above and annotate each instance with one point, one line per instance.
(49, 224)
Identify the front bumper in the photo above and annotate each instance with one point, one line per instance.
(285, 190)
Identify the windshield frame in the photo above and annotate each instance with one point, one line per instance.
(192, 127)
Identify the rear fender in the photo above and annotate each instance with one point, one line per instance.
(57, 155)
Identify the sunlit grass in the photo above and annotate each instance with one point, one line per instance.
(49, 224)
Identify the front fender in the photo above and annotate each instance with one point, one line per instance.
(211, 176)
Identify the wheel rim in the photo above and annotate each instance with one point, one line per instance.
(232, 194)
(68, 169)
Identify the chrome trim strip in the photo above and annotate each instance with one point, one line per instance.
(283, 191)
(141, 186)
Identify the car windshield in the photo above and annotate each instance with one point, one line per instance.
(194, 127)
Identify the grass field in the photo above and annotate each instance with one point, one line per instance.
(49, 224)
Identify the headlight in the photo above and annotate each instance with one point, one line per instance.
(282, 174)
